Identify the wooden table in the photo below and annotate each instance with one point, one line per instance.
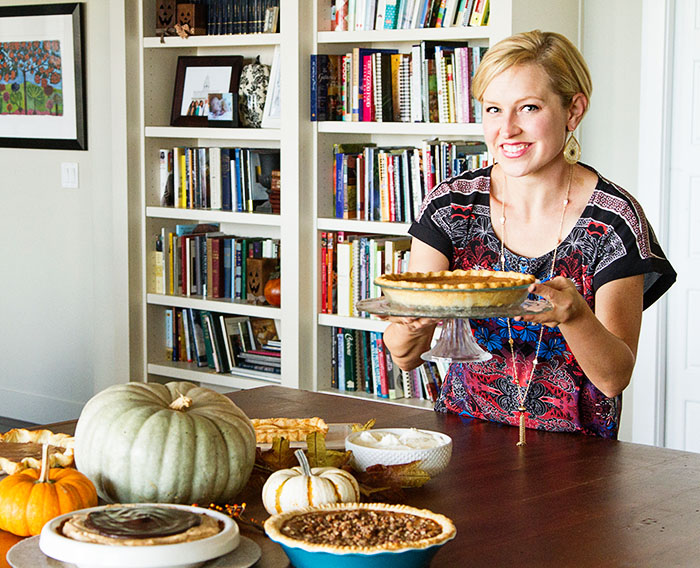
(562, 500)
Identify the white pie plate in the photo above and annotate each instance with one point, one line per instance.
(179, 555)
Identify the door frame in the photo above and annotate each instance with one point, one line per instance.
(650, 375)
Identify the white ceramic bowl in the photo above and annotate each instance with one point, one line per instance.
(433, 460)
(179, 555)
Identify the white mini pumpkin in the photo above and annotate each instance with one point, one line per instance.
(174, 443)
(299, 487)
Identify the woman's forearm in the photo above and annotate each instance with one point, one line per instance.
(406, 344)
(606, 359)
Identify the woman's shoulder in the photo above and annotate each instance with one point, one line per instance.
(610, 198)
(468, 184)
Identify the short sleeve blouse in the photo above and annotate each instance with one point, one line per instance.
(611, 239)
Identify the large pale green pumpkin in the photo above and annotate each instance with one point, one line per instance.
(174, 443)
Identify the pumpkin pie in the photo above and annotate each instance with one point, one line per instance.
(446, 289)
(366, 528)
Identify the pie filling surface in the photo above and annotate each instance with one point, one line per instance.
(360, 528)
(140, 525)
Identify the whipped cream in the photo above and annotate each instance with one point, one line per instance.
(410, 440)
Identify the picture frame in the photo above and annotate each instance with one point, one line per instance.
(42, 77)
(272, 112)
(195, 78)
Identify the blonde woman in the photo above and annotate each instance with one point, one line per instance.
(539, 211)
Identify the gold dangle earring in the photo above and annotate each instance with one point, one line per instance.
(572, 150)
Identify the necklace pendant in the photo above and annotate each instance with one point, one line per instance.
(521, 428)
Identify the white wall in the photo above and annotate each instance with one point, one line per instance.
(63, 290)
(610, 131)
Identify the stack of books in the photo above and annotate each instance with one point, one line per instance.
(390, 183)
(363, 15)
(432, 83)
(228, 179)
(351, 262)
(222, 342)
(361, 362)
(200, 260)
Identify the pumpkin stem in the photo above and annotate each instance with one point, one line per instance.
(182, 402)
(303, 462)
(44, 475)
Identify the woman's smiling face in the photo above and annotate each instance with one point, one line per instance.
(524, 122)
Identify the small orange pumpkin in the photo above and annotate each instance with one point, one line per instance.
(272, 291)
(29, 498)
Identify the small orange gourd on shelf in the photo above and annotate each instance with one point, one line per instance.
(30, 498)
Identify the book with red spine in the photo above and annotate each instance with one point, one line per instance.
(324, 271)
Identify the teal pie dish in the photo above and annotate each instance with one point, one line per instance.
(396, 553)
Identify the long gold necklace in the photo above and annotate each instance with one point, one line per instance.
(522, 393)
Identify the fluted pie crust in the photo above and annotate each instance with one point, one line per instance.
(361, 517)
(456, 288)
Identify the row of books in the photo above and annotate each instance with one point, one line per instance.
(432, 83)
(361, 362)
(201, 260)
(349, 265)
(229, 179)
(222, 342)
(241, 16)
(362, 15)
(389, 183)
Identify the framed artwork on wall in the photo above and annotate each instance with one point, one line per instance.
(199, 76)
(42, 77)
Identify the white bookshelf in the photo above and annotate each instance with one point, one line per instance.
(155, 62)
(507, 17)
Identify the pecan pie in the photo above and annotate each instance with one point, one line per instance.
(456, 288)
(344, 528)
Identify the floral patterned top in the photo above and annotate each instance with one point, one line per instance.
(610, 240)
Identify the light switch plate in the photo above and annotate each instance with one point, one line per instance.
(69, 175)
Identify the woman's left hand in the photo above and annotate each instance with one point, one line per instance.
(563, 295)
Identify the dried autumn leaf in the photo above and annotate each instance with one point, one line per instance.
(366, 426)
(279, 456)
(316, 449)
(320, 456)
(383, 494)
(401, 475)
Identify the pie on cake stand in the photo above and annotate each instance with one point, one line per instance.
(455, 297)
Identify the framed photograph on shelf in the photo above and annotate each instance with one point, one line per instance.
(42, 77)
(273, 108)
(196, 79)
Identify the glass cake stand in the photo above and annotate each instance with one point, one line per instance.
(456, 342)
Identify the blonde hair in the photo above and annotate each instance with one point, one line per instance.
(554, 53)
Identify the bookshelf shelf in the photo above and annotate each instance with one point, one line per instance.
(236, 40)
(241, 135)
(414, 129)
(240, 379)
(364, 324)
(213, 216)
(404, 36)
(375, 227)
(412, 402)
(219, 305)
